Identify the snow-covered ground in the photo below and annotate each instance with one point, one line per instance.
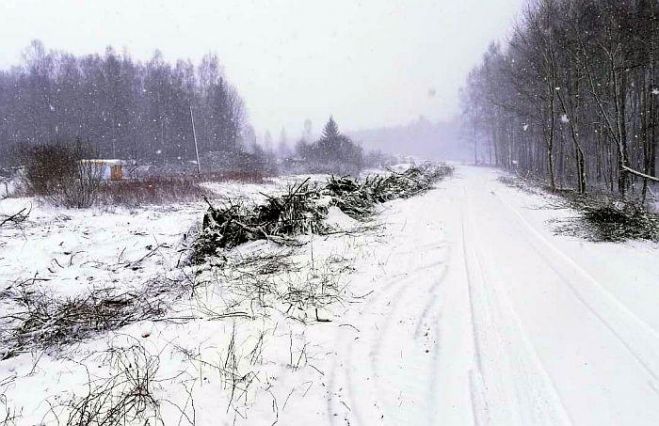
(459, 306)
(71, 251)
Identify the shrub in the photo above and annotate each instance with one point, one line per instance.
(58, 173)
(167, 189)
(151, 190)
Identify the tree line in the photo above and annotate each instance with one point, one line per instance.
(124, 108)
(120, 108)
(572, 97)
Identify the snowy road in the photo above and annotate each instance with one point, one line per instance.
(486, 317)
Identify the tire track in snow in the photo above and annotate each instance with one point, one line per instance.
(509, 384)
(636, 335)
(367, 346)
(433, 301)
(341, 385)
(393, 315)
(385, 337)
(492, 371)
(476, 386)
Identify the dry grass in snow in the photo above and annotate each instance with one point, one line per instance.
(103, 313)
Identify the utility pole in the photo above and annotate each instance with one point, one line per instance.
(194, 135)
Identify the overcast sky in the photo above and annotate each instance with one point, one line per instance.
(368, 62)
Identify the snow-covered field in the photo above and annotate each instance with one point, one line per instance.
(458, 306)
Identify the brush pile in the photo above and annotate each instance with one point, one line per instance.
(297, 212)
(47, 322)
(354, 199)
(617, 221)
(303, 209)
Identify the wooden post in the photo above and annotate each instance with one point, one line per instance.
(194, 135)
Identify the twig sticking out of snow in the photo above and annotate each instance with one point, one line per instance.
(129, 394)
(46, 322)
(16, 219)
(8, 415)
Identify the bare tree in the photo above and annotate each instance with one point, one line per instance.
(572, 97)
(128, 109)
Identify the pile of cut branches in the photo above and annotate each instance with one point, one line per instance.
(412, 181)
(303, 208)
(353, 198)
(358, 199)
(45, 321)
(281, 217)
(617, 221)
(600, 217)
(524, 184)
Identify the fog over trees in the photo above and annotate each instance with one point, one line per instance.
(423, 138)
(124, 108)
(573, 97)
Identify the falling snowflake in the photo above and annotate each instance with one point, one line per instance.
(564, 118)
(655, 92)
(525, 127)
(159, 152)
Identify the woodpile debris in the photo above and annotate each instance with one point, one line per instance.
(617, 221)
(303, 208)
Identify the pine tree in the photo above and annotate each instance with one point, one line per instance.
(331, 130)
(334, 152)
